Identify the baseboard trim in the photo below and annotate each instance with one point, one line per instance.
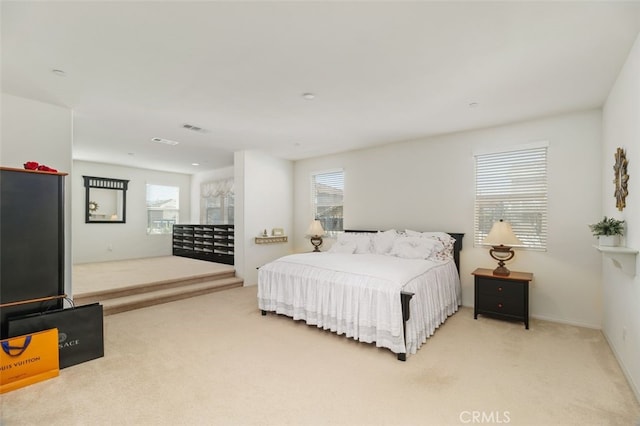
(558, 320)
(568, 322)
(623, 367)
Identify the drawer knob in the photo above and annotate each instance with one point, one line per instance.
(499, 288)
(499, 305)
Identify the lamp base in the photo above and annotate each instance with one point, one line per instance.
(316, 242)
(501, 254)
(502, 271)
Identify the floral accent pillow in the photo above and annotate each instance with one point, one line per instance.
(415, 248)
(447, 242)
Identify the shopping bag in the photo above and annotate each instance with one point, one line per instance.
(28, 359)
(80, 331)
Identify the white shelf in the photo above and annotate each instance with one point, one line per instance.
(622, 257)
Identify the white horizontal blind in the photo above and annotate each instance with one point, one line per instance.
(327, 195)
(513, 186)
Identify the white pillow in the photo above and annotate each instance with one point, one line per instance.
(343, 247)
(415, 247)
(410, 233)
(383, 241)
(361, 240)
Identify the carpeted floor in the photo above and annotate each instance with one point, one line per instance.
(214, 360)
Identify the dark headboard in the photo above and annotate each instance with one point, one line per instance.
(457, 246)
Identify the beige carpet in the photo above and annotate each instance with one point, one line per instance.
(214, 360)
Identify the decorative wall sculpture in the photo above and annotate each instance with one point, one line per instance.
(621, 178)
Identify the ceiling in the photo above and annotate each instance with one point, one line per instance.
(381, 72)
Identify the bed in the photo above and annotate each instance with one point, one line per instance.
(390, 288)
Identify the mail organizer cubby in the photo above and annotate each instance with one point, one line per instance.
(214, 243)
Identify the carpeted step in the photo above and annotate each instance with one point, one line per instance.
(124, 291)
(136, 301)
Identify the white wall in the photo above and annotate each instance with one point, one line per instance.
(36, 131)
(264, 200)
(429, 185)
(99, 242)
(200, 178)
(621, 292)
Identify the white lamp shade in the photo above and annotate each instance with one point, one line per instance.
(502, 234)
(315, 229)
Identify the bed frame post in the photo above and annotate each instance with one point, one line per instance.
(405, 298)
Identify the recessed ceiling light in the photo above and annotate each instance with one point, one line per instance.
(308, 96)
(193, 127)
(195, 164)
(164, 141)
(59, 73)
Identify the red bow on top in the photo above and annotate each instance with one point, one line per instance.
(33, 165)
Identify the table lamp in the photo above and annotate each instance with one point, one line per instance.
(501, 239)
(316, 232)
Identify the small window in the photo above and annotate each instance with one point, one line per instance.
(512, 186)
(217, 202)
(163, 207)
(327, 193)
(219, 210)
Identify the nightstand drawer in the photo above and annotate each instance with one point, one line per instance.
(505, 289)
(500, 305)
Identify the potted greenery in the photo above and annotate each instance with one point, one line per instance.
(608, 231)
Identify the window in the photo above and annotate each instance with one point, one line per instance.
(513, 186)
(217, 205)
(327, 192)
(163, 204)
(219, 210)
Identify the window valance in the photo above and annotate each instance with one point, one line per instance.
(218, 188)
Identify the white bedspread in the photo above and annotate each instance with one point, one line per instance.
(358, 295)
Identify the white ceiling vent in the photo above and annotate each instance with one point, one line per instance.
(164, 141)
(194, 128)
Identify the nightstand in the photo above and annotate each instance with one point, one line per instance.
(502, 297)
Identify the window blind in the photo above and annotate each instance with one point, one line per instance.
(327, 194)
(513, 186)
